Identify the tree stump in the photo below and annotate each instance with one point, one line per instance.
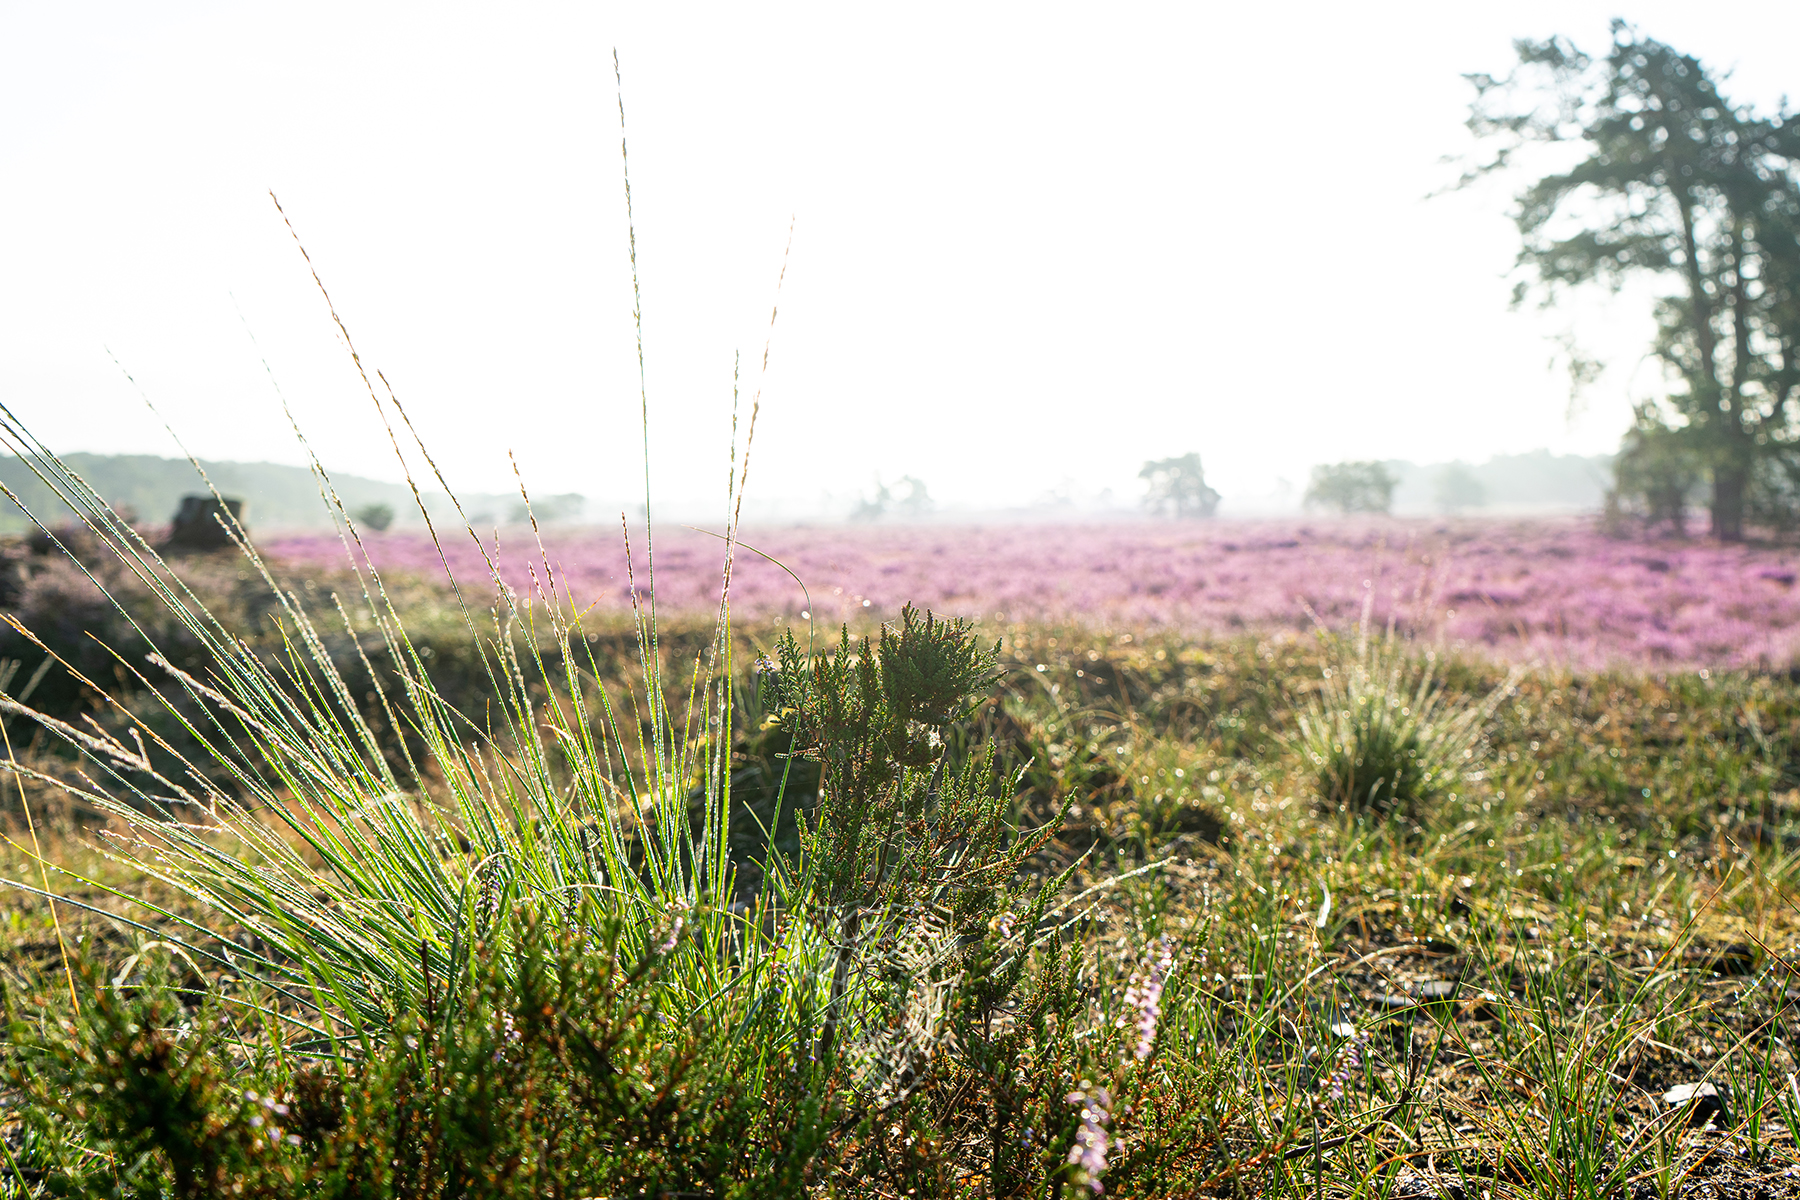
(196, 525)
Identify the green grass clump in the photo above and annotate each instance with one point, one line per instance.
(898, 999)
(1381, 731)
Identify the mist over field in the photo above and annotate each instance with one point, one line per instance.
(1011, 276)
(281, 498)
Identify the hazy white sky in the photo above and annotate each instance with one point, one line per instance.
(1033, 244)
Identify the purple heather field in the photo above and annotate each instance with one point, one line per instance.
(1553, 591)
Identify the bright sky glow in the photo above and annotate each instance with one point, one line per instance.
(1033, 245)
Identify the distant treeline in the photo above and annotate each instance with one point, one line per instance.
(1539, 481)
(275, 496)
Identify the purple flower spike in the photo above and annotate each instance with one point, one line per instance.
(1349, 1063)
(1091, 1142)
(1144, 998)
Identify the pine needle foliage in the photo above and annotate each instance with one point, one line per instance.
(910, 856)
(874, 716)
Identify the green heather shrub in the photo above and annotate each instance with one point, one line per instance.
(129, 1099)
(564, 1074)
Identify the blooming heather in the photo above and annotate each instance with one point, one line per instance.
(1349, 1064)
(1554, 590)
(1144, 1000)
(1091, 1143)
(680, 922)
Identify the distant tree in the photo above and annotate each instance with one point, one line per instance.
(1774, 493)
(1677, 185)
(1458, 488)
(1178, 488)
(375, 516)
(875, 509)
(565, 506)
(914, 502)
(1657, 470)
(1351, 487)
(917, 501)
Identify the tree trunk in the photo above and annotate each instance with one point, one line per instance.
(1706, 338)
(1729, 480)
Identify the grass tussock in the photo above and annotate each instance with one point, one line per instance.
(1381, 731)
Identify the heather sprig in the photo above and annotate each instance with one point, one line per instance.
(1348, 1065)
(1143, 1000)
(1088, 1154)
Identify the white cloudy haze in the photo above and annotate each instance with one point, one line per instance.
(1033, 245)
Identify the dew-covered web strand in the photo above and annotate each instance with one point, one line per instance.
(383, 613)
(652, 660)
(414, 674)
(737, 501)
(734, 488)
(734, 498)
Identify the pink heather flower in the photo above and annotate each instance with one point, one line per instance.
(1349, 1063)
(1091, 1143)
(1144, 998)
(680, 908)
(509, 1035)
